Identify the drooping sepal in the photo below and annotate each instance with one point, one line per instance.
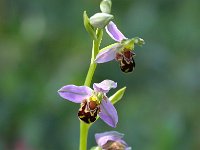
(89, 28)
(88, 111)
(105, 6)
(108, 53)
(108, 113)
(100, 20)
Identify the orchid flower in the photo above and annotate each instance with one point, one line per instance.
(111, 140)
(93, 102)
(121, 51)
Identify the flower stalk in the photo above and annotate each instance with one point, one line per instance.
(84, 128)
(95, 51)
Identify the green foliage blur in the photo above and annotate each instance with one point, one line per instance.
(43, 46)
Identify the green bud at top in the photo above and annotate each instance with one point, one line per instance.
(105, 6)
(100, 20)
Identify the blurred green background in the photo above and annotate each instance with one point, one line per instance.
(43, 46)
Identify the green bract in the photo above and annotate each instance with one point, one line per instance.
(88, 26)
(117, 96)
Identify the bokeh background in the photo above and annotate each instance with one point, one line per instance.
(43, 46)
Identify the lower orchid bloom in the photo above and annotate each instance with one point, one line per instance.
(111, 140)
(121, 51)
(93, 102)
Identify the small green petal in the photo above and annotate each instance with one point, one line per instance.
(117, 96)
(138, 41)
(88, 26)
(128, 43)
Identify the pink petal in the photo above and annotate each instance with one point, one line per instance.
(107, 54)
(108, 113)
(114, 32)
(103, 138)
(75, 93)
(104, 86)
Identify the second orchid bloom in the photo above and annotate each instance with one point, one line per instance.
(93, 102)
(122, 51)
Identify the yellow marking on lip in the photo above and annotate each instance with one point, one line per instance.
(93, 98)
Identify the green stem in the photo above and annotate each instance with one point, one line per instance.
(83, 135)
(92, 66)
(84, 128)
(95, 51)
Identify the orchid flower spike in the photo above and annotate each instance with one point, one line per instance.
(121, 51)
(111, 140)
(93, 102)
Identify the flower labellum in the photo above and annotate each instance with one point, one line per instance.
(126, 61)
(93, 102)
(89, 111)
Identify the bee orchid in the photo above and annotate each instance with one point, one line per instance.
(93, 102)
(120, 51)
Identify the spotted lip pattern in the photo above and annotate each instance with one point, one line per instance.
(88, 111)
(126, 61)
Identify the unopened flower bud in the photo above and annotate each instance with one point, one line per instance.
(105, 6)
(100, 20)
